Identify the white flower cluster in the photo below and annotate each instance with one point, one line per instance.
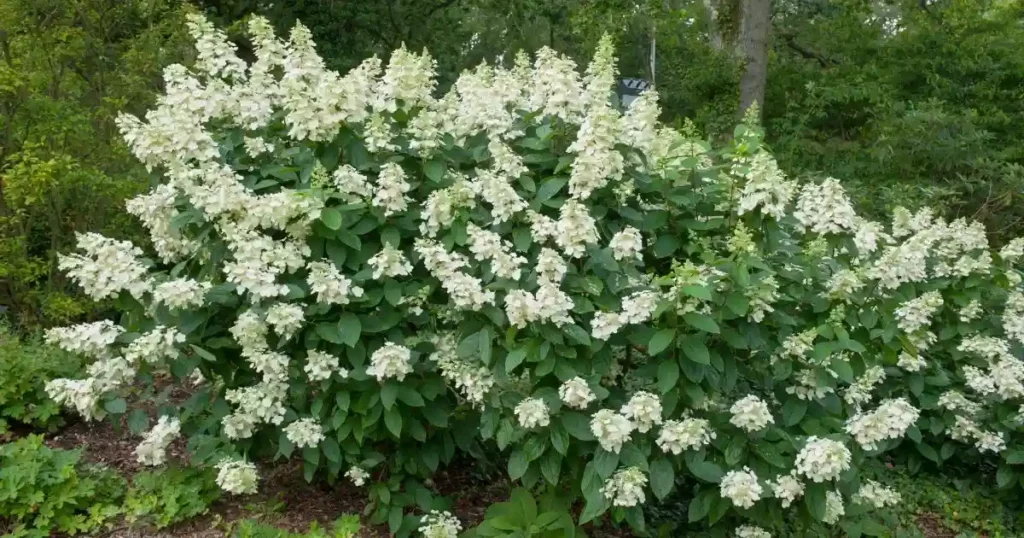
(741, 487)
(766, 186)
(320, 366)
(474, 380)
(626, 487)
(644, 410)
(489, 246)
(305, 432)
(822, 460)
(237, 476)
(859, 392)
(916, 313)
(824, 208)
(285, 318)
(357, 475)
(611, 429)
(874, 494)
(750, 531)
(533, 413)
(787, 488)
(181, 293)
(638, 307)
(911, 363)
(389, 262)
(89, 339)
(627, 244)
(576, 393)
(107, 268)
(390, 361)
(687, 434)
(890, 420)
(440, 525)
(155, 346)
(750, 413)
(153, 449)
(329, 285)
(465, 290)
(834, 508)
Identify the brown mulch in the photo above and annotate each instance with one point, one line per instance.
(932, 527)
(284, 500)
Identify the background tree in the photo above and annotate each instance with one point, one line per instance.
(66, 68)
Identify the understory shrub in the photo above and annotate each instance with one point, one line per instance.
(170, 495)
(43, 491)
(345, 527)
(26, 365)
(355, 272)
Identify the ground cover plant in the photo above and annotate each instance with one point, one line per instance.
(369, 277)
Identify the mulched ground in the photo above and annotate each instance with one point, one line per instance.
(284, 500)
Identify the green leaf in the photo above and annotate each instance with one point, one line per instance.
(388, 395)
(578, 425)
(551, 467)
(138, 421)
(342, 399)
(927, 451)
(329, 332)
(697, 292)
(411, 398)
(668, 375)
(331, 449)
(393, 420)
(1005, 476)
(793, 411)
(701, 322)
(560, 439)
(665, 245)
(484, 339)
(705, 470)
(350, 329)
(605, 462)
(814, 498)
(700, 506)
(331, 218)
(550, 188)
(660, 341)
(594, 507)
(577, 333)
(694, 348)
(434, 170)
(1015, 457)
(117, 406)
(206, 355)
(663, 477)
(513, 359)
(518, 463)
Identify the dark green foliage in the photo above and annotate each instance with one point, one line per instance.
(25, 367)
(43, 491)
(170, 495)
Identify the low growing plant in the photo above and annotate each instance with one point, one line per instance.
(523, 516)
(170, 495)
(373, 279)
(345, 527)
(43, 491)
(26, 365)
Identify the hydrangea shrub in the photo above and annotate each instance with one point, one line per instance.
(350, 269)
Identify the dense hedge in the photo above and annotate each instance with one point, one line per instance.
(378, 279)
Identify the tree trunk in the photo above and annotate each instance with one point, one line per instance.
(752, 49)
(715, 39)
